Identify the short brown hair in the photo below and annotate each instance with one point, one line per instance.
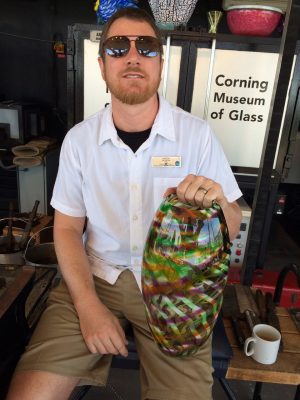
(136, 14)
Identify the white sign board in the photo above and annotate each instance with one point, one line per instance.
(239, 101)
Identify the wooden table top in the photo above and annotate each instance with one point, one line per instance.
(21, 278)
(286, 369)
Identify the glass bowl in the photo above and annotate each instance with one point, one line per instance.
(253, 20)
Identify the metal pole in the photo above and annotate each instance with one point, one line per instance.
(166, 69)
(209, 78)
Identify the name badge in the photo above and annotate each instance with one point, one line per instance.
(173, 161)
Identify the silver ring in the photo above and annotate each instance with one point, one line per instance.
(203, 190)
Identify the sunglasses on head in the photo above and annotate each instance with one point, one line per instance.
(119, 46)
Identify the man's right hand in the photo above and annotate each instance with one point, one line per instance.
(101, 330)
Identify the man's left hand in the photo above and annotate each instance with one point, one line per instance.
(200, 191)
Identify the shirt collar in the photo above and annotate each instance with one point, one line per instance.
(163, 124)
(107, 128)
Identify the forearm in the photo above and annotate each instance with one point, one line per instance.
(73, 260)
(233, 216)
(100, 329)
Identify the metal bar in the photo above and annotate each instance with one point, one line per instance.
(209, 78)
(227, 389)
(79, 392)
(166, 70)
(297, 394)
(186, 75)
(267, 225)
(70, 79)
(257, 391)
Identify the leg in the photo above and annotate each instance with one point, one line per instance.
(40, 385)
(164, 377)
(57, 358)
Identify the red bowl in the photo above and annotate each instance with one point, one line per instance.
(253, 20)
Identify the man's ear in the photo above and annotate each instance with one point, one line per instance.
(102, 67)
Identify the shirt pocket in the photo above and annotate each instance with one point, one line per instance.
(160, 185)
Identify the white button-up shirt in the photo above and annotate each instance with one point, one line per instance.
(119, 191)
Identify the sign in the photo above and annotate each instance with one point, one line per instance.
(95, 36)
(239, 100)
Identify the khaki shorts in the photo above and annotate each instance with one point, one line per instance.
(57, 346)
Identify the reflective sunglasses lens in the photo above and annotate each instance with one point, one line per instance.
(117, 46)
(147, 46)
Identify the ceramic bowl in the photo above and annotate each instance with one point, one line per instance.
(253, 20)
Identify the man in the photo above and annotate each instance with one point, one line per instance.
(112, 172)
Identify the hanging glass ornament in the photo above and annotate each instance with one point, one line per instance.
(170, 13)
(106, 8)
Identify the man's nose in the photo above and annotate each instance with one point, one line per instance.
(133, 55)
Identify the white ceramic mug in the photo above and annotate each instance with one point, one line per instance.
(263, 345)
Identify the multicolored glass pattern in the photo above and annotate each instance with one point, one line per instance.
(185, 265)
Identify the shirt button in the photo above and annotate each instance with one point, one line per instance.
(134, 248)
(135, 217)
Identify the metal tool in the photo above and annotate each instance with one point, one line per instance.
(271, 316)
(231, 310)
(247, 305)
(251, 319)
(10, 236)
(28, 226)
(295, 314)
(246, 300)
(261, 304)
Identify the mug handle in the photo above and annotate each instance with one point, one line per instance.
(249, 352)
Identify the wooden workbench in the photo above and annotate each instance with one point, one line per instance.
(286, 370)
(18, 287)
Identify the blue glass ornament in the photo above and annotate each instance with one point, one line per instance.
(107, 8)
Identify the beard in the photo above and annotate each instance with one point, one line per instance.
(135, 93)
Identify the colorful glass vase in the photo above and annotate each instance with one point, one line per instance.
(185, 265)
